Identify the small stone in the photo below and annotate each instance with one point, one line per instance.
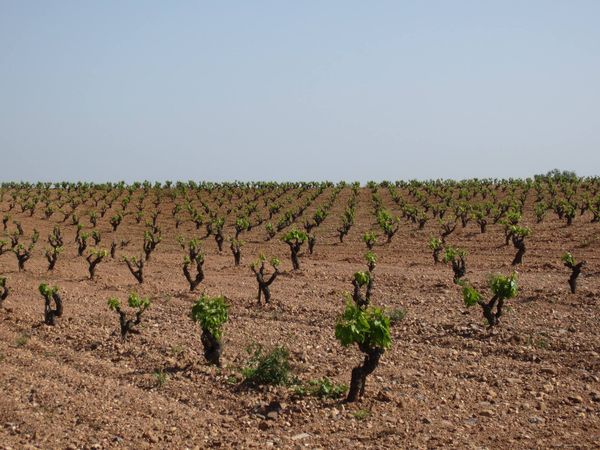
(151, 437)
(300, 436)
(575, 399)
(536, 419)
(383, 397)
(548, 370)
(548, 387)
(272, 415)
(446, 424)
(263, 426)
(486, 413)
(595, 396)
(541, 406)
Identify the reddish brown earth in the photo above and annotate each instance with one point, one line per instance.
(446, 382)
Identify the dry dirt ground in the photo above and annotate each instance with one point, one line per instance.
(447, 381)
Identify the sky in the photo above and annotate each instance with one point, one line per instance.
(287, 90)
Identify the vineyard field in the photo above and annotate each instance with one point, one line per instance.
(448, 379)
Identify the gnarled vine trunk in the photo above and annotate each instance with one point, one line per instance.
(360, 373)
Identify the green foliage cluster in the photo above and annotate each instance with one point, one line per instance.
(47, 291)
(452, 253)
(503, 287)
(435, 243)
(322, 388)
(134, 301)
(568, 258)
(211, 313)
(370, 327)
(267, 367)
(295, 236)
(369, 238)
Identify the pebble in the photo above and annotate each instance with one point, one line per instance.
(541, 406)
(300, 436)
(151, 437)
(575, 399)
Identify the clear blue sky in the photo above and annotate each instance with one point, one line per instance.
(298, 90)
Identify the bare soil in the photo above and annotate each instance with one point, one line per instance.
(447, 381)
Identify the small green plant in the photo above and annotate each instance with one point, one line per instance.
(161, 377)
(576, 267)
(270, 229)
(136, 267)
(361, 414)
(319, 216)
(236, 249)
(456, 257)
(217, 229)
(436, 245)
(370, 329)
(50, 294)
(386, 222)
(371, 260)
(258, 268)
(151, 240)
(267, 367)
(199, 277)
(211, 313)
(480, 217)
(518, 235)
(93, 218)
(370, 239)
(128, 326)
(241, 224)
(448, 228)
(540, 211)
(82, 242)
(195, 255)
(540, 342)
(96, 236)
(22, 340)
(360, 280)
(116, 220)
(295, 238)
(322, 388)
(52, 256)
(94, 258)
(23, 253)
(347, 222)
(502, 287)
(396, 315)
(55, 238)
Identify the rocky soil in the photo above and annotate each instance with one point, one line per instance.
(447, 381)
